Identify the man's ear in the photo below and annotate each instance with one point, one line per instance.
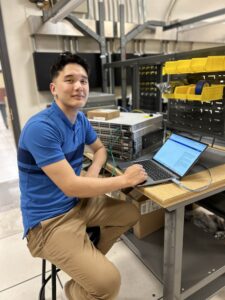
(53, 89)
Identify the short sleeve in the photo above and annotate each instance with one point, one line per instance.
(44, 143)
(91, 135)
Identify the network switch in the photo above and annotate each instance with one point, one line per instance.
(131, 134)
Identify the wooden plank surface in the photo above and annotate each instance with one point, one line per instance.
(169, 194)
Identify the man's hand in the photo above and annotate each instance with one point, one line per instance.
(135, 174)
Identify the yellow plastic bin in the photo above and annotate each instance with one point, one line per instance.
(163, 71)
(170, 67)
(215, 63)
(209, 93)
(198, 64)
(168, 96)
(184, 66)
(180, 92)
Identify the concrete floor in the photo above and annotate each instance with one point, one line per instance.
(20, 276)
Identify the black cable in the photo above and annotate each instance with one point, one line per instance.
(213, 141)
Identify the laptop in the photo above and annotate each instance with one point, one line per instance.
(172, 161)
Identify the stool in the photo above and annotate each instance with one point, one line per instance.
(94, 235)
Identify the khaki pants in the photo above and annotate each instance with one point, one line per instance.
(64, 242)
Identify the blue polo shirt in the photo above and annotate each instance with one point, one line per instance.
(46, 138)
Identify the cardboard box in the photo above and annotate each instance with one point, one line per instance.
(103, 114)
(152, 215)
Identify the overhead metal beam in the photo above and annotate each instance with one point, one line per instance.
(60, 10)
(202, 24)
(161, 58)
(82, 27)
(138, 29)
(213, 14)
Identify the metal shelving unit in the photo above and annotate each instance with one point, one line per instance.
(155, 61)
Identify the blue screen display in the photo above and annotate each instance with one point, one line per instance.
(179, 153)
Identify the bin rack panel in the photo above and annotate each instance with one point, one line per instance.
(150, 96)
(205, 118)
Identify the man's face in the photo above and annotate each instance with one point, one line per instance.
(71, 87)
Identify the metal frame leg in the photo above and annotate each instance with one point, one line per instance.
(54, 273)
(53, 276)
(43, 279)
(173, 250)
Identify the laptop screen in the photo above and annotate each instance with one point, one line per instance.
(179, 153)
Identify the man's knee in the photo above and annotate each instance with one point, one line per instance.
(133, 214)
(107, 288)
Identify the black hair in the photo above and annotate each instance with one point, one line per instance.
(64, 59)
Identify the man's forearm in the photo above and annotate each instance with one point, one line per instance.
(99, 159)
(79, 186)
(95, 186)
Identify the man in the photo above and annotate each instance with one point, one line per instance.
(57, 203)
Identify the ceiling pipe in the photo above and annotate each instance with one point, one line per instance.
(169, 10)
(140, 12)
(131, 11)
(90, 10)
(143, 11)
(110, 10)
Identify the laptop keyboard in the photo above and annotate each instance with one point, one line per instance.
(154, 171)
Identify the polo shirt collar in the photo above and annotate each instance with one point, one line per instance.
(61, 114)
